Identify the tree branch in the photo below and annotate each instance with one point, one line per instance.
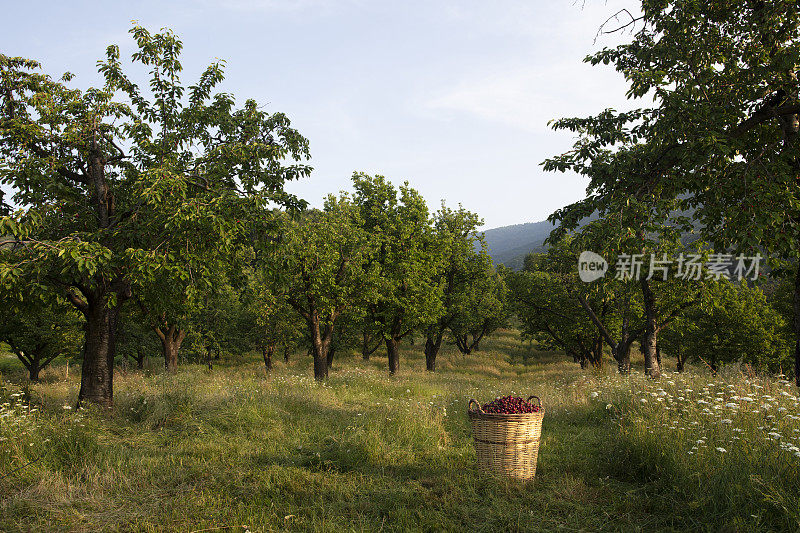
(763, 114)
(76, 300)
(632, 22)
(597, 322)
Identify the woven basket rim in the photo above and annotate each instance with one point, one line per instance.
(506, 416)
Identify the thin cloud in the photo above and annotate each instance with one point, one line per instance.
(528, 97)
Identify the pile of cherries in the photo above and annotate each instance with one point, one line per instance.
(509, 405)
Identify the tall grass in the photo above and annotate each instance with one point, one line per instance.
(234, 448)
(726, 445)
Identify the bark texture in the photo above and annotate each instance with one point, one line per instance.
(171, 339)
(651, 366)
(432, 345)
(267, 352)
(97, 371)
(797, 326)
(393, 352)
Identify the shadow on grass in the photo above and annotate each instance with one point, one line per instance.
(574, 488)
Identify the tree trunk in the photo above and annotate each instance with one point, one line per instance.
(139, 359)
(658, 354)
(329, 356)
(624, 361)
(320, 342)
(365, 353)
(622, 351)
(681, 362)
(597, 352)
(171, 341)
(651, 366)
(318, 351)
(366, 346)
(797, 326)
(477, 338)
(31, 361)
(432, 345)
(393, 353)
(267, 352)
(320, 367)
(619, 350)
(97, 371)
(285, 353)
(170, 353)
(462, 343)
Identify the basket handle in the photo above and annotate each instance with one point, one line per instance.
(539, 399)
(477, 405)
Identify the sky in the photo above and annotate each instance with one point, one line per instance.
(452, 96)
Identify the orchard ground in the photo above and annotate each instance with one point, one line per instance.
(232, 449)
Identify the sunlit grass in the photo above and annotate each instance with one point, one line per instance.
(727, 444)
(366, 451)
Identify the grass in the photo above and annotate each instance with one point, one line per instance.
(234, 450)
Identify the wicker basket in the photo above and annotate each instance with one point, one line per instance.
(506, 444)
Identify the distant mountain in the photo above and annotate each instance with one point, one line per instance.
(510, 244)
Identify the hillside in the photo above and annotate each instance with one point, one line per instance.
(510, 244)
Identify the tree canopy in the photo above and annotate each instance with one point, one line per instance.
(118, 183)
(719, 141)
